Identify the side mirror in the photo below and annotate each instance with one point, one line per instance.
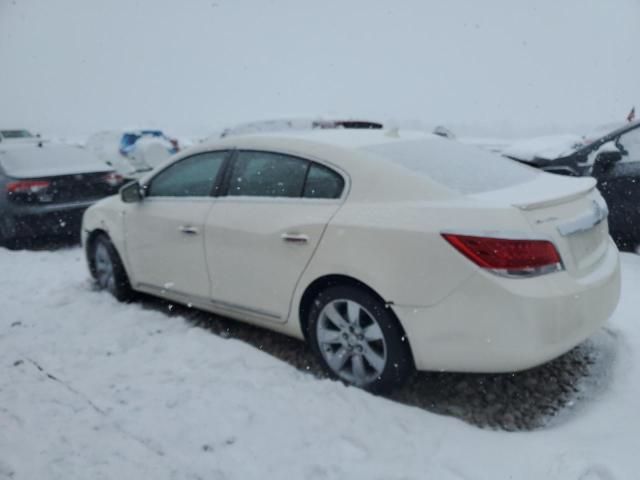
(131, 193)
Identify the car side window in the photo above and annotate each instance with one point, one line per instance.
(322, 183)
(267, 174)
(630, 141)
(192, 177)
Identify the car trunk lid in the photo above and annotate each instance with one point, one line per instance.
(568, 211)
(29, 161)
(62, 189)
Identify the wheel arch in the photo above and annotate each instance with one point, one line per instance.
(91, 238)
(332, 280)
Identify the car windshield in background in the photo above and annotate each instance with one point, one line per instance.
(595, 142)
(15, 134)
(458, 167)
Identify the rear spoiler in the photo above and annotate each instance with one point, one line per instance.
(558, 199)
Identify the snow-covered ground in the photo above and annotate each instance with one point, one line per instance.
(91, 388)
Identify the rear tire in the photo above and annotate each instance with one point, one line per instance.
(358, 339)
(5, 240)
(108, 270)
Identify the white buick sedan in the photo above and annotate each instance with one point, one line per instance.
(385, 250)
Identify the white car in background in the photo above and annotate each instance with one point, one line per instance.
(295, 124)
(16, 136)
(386, 251)
(132, 152)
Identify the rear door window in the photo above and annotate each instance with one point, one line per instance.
(267, 174)
(322, 182)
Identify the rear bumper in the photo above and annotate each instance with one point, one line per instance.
(493, 324)
(36, 221)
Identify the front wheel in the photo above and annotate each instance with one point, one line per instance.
(358, 339)
(107, 269)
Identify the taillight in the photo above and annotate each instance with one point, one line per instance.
(113, 179)
(27, 186)
(510, 257)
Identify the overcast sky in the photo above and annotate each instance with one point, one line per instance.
(76, 66)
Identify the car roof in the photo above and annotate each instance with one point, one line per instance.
(344, 148)
(341, 138)
(345, 151)
(297, 123)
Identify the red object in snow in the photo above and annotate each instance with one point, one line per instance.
(632, 115)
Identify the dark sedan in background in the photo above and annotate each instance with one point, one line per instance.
(614, 160)
(45, 188)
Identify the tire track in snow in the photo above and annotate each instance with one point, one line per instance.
(144, 442)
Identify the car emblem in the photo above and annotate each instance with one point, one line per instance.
(585, 222)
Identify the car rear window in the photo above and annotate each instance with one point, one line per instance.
(16, 134)
(459, 167)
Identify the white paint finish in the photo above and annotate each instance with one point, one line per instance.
(246, 251)
(544, 190)
(387, 234)
(160, 252)
(494, 324)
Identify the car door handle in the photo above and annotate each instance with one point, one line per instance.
(295, 237)
(188, 230)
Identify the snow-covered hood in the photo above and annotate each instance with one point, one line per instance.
(31, 161)
(547, 147)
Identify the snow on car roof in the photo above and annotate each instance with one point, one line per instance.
(458, 167)
(297, 124)
(30, 161)
(547, 147)
(344, 137)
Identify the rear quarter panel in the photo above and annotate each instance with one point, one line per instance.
(398, 251)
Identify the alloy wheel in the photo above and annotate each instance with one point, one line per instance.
(104, 267)
(351, 342)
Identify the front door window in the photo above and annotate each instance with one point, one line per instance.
(194, 176)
